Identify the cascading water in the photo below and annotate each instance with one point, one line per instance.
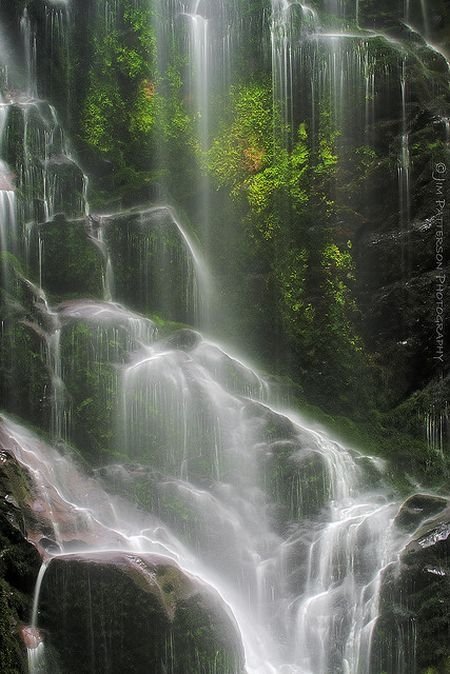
(8, 205)
(29, 43)
(404, 161)
(176, 285)
(291, 22)
(8, 219)
(228, 538)
(293, 530)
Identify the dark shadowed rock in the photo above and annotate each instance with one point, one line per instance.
(19, 566)
(122, 612)
(417, 508)
(416, 595)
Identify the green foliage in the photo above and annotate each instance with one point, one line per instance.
(245, 144)
(338, 273)
(282, 185)
(292, 282)
(145, 111)
(121, 104)
(103, 106)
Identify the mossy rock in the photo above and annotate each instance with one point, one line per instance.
(184, 339)
(123, 612)
(25, 378)
(90, 378)
(97, 338)
(80, 266)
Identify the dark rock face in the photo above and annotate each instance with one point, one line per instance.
(416, 596)
(24, 375)
(126, 613)
(418, 508)
(19, 566)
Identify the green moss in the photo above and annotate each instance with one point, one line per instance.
(80, 262)
(244, 147)
(407, 455)
(121, 105)
(146, 109)
(89, 357)
(103, 107)
(155, 618)
(25, 379)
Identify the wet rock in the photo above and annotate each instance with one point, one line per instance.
(121, 612)
(184, 339)
(417, 508)
(273, 425)
(31, 637)
(19, 566)
(24, 375)
(136, 482)
(154, 265)
(296, 477)
(431, 534)
(51, 547)
(416, 595)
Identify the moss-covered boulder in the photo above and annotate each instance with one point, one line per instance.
(96, 337)
(80, 267)
(296, 477)
(122, 612)
(47, 179)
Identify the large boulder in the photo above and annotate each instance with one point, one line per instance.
(123, 612)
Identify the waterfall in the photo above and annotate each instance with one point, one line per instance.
(291, 24)
(404, 159)
(177, 285)
(197, 459)
(8, 204)
(199, 58)
(36, 649)
(255, 577)
(29, 42)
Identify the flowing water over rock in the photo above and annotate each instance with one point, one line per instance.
(216, 518)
